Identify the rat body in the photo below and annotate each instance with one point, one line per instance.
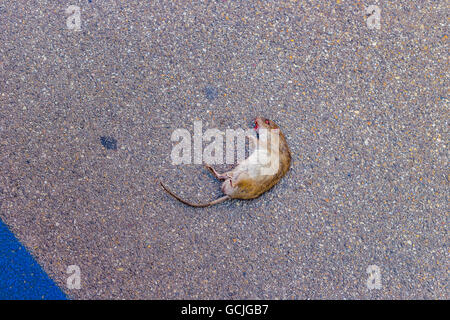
(267, 164)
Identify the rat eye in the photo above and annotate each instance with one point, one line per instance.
(267, 121)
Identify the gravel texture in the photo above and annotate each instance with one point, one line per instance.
(86, 119)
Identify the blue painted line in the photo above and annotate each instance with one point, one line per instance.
(21, 277)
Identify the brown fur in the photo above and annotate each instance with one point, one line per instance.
(238, 182)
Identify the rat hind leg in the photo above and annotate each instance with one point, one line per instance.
(219, 176)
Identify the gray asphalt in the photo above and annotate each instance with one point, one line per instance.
(86, 119)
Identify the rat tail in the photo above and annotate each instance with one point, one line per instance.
(201, 205)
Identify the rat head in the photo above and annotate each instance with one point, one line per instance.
(261, 122)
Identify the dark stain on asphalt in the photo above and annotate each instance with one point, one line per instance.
(211, 93)
(109, 143)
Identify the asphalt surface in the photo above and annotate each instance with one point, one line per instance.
(86, 119)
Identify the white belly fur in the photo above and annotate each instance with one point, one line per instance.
(259, 159)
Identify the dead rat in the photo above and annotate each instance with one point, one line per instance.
(252, 177)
